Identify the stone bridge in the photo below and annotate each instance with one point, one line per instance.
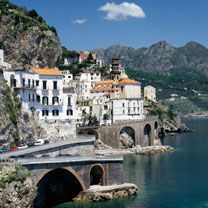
(143, 131)
(59, 180)
(60, 177)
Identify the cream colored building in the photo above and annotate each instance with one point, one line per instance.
(150, 93)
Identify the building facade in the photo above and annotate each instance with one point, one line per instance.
(150, 93)
(3, 64)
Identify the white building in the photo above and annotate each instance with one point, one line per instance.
(127, 109)
(42, 90)
(3, 64)
(122, 100)
(67, 78)
(55, 94)
(150, 93)
(83, 83)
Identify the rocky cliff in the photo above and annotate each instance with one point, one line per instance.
(16, 125)
(26, 38)
(17, 189)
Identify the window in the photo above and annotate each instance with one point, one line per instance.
(33, 84)
(44, 85)
(23, 82)
(123, 111)
(55, 100)
(123, 105)
(33, 98)
(55, 112)
(55, 86)
(69, 101)
(28, 82)
(38, 98)
(45, 100)
(69, 112)
(29, 97)
(44, 112)
(122, 88)
(37, 82)
(105, 107)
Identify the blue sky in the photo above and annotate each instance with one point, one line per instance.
(176, 21)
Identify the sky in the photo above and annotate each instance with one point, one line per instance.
(89, 24)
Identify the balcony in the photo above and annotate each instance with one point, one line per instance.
(29, 87)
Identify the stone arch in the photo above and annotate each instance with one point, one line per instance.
(147, 135)
(57, 186)
(97, 175)
(131, 133)
(13, 81)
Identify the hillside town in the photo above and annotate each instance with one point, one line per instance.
(86, 98)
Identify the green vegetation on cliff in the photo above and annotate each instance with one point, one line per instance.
(26, 38)
(20, 174)
(9, 111)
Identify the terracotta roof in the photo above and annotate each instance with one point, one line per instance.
(128, 81)
(99, 88)
(105, 82)
(51, 72)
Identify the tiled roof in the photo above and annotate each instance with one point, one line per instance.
(100, 88)
(105, 82)
(51, 72)
(128, 81)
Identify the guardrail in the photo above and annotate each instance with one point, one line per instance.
(69, 159)
(79, 140)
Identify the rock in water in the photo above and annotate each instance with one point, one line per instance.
(26, 38)
(98, 193)
(126, 141)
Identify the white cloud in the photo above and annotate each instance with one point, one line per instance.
(122, 11)
(79, 21)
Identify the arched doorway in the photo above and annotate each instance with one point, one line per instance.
(97, 175)
(147, 135)
(56, 187)
(127, 137)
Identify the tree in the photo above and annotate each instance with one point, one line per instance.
(92, 120)
(33, 13)
(171, 114)
(106, 116)
(90, 57)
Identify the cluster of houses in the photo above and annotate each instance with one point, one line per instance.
(58, 95)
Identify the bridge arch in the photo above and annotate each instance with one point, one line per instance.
(57, 186)
(147, 135)
(130, 132)
(97, 175)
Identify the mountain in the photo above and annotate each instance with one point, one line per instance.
(182, 71)
(160, 58)
(26, 38)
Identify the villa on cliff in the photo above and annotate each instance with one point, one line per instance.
(3, 64)
(58, 95)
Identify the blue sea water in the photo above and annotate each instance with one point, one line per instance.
(169, 180)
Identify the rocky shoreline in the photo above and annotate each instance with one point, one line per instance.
(150, 150)
(99, 193)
